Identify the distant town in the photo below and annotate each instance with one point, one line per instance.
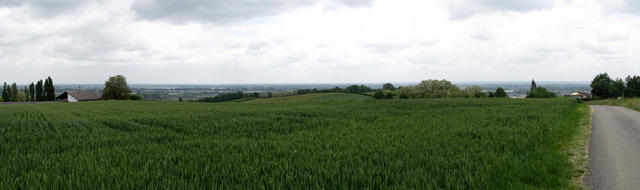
(173, 92)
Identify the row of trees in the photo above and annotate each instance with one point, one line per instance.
(41, 91)
(441, 89)
(603, 87)
(228, 97)
(445, 89)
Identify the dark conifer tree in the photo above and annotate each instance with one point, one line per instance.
(39, 91)
(49, 91)
(5, 93)
(32, 92)
(14, 92)
(25, 91)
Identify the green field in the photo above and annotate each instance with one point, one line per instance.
(310, 141)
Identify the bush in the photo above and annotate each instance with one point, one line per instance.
(358, 89)
(136, 97)
(500, 93)
(223, 97)
(378, 94)
(541, 92)
(388, 95)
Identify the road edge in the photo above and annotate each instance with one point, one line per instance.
(578, 150)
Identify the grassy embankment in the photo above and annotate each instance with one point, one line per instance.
(631, 103)
(317, 140)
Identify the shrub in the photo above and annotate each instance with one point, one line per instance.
(378, 94)
(137, 97)
(500, 93)
(541, 92)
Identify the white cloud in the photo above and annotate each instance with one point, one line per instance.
(461, 9)
(317, 41)
(222, 10)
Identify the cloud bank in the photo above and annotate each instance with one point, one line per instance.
(313, 41)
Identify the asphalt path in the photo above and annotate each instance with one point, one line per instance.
(614, 149)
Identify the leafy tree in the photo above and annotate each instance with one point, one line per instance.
(358, 89)
(491, 94)
(39, 91)
(49, 90)
(438, 89)
(541, 92)
(116, 88)
(14, 93)
(5, 92)
(474, 91)
(633, 86)
(378, 94)
(25, 94)
(406, 92)
(601, 85)
(500, 93)
(32, 92)
(180, 99)
(617, 88)
(388, 86)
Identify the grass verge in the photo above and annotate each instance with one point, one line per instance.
(578, 149)
(631, 103)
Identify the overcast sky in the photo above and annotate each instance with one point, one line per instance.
(317, 41)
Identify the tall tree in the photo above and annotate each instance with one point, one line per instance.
(617, 88)
(25, 94)
(600, 86)
(474, 91)
(49, 91)
(39, 91)
(14, 92)
(116, 88)
(388, 86)
(533, 85)
(633, 86)
(32, 92)
(5, 93)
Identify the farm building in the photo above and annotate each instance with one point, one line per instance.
(580, 95)
(77, 96)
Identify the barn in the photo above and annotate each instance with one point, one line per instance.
(77, 96)
(580, 95)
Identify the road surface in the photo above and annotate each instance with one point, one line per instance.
(614, 150)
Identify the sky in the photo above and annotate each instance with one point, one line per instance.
(317, 41)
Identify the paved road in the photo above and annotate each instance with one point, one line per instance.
(614, 150)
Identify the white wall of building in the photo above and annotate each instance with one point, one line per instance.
(71, 98)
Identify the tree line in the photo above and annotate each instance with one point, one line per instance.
(433, 88)
(603, 87)
(40, 91)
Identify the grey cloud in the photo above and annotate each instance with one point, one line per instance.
(47, 7)
(221, 10)
(632, 6)
(467, 8)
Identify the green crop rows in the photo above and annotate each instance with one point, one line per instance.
(310, 141)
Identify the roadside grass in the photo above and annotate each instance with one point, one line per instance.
(578, 148)
(323, 141)
(631, 103)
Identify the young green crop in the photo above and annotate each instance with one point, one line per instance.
(310, 141)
